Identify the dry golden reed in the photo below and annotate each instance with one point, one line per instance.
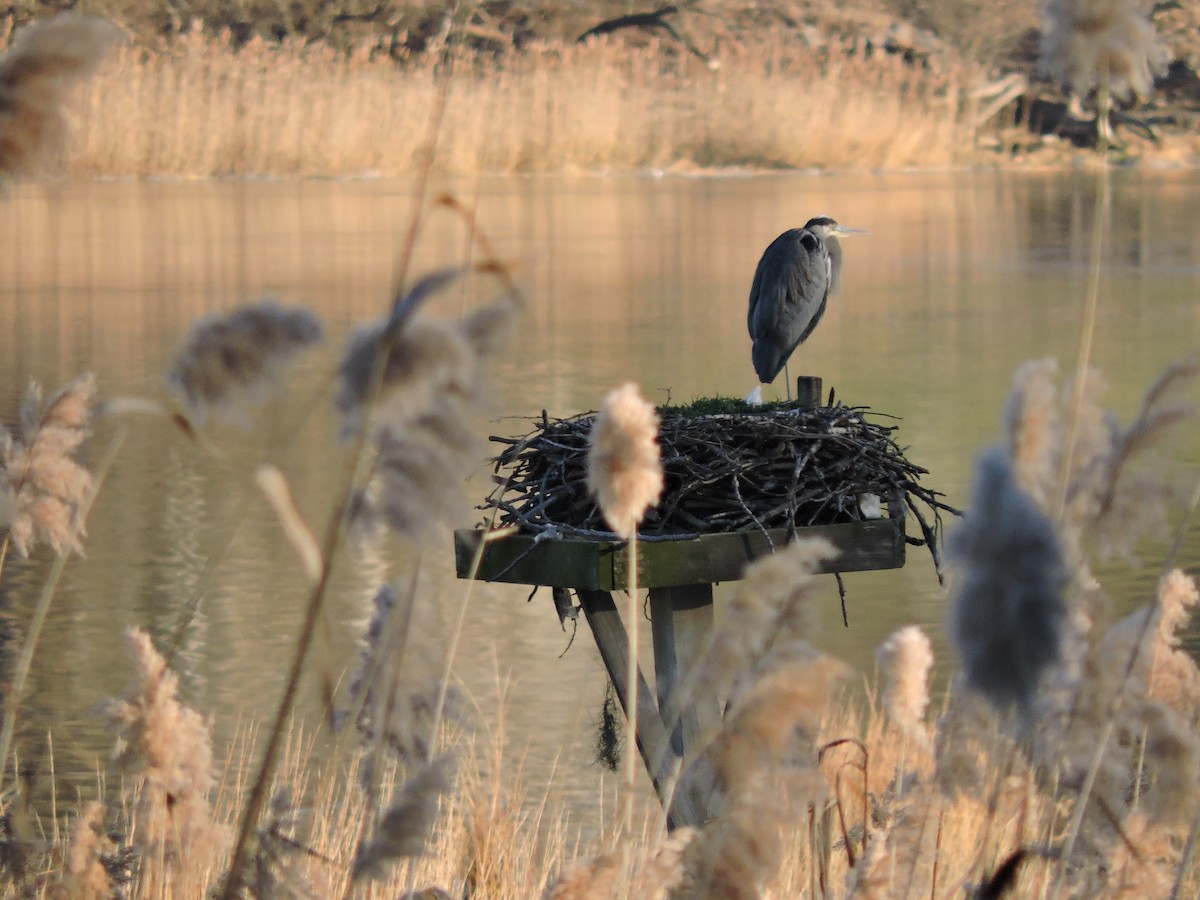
(43, 61)
(624, 461)
(229, 361)
(43, 487)
(203, 107)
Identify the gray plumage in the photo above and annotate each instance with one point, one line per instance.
(792, 284)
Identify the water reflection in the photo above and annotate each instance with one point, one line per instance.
(964, 277)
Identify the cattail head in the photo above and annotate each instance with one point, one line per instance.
(906, 658)
(1008, 610)
(44, 58)
(624, 463)
(231, 360)
(1086, 43)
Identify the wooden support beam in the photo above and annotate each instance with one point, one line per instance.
(652, 740)
(603, 565)
(681, 621)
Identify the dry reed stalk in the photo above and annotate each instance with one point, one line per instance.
(200, 108)
(44, 60)
(229, 362)
(42, 486)
(274, 485)
(167, 749)
(625, 475)
(339, 521)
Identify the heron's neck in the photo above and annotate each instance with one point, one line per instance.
(835, 263)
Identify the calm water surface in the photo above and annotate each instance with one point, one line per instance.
(964, 277)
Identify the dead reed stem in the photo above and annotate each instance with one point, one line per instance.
(334, 539)
(1087, 332)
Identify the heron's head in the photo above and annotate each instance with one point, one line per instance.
(825, 227)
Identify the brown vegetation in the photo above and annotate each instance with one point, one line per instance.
(260, 90)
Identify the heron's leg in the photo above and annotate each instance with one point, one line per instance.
(787, 377)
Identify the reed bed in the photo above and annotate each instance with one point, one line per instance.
(200, 108)
(1062, 760)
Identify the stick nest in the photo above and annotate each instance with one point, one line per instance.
(728, 471)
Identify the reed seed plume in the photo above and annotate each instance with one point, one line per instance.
(86, 877)
(1163, 671)
(45, 58)
(771, 608)
(233, 360)
(1034, 429)
(404, 364)
(906, 658)
(408, 825)
(42, 485)
(166, 748)
(401, 719)
(1008, 609)
(431, 380)
(624, 461)
(1172, 762)
(595, 879)
(1096, 43)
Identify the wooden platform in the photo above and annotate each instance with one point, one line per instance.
(603, 565)
(680, 574)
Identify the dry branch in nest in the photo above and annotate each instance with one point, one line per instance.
(778, 468)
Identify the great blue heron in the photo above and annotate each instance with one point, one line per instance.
(794, 279)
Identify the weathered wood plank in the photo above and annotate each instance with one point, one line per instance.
(680, 621)
(652, 741)
(707, 559)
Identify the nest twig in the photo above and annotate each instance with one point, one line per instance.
(782, 468)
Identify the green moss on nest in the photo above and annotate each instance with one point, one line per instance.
(723, 406)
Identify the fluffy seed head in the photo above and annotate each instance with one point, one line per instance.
(1085, 42)
(43, 60)
(624, 463)
(907, 658)
(42, 487)
(408, 824)
(229, 361)
(1008, 610)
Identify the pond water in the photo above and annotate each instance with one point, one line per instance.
(964, 277)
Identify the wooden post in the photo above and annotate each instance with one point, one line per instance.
(808, 391)
(680, 619)
(652, 740)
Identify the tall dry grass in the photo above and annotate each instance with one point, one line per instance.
(201, 108)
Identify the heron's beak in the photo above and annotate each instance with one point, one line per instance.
(843, 231)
